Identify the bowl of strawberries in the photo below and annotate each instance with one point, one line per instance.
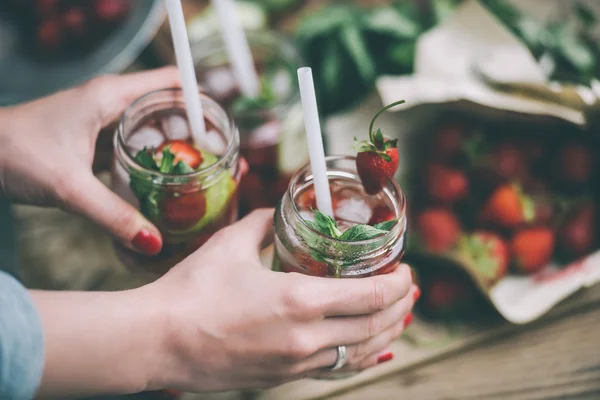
(52, 44)
(507, 206)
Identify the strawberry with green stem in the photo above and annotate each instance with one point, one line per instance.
(377, 158)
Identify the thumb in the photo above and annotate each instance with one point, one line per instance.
(93, 200)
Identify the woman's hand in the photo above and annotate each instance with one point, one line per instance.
(233, 324)
(218, 321)
(47, 149)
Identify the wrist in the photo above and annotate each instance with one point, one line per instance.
(157, 326)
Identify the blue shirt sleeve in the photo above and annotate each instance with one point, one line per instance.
(21, 342)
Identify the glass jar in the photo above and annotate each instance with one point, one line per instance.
(272, 137)
(299, 248)
(187, 209)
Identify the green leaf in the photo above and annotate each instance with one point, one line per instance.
(385, 157)
(325, 22)
(586, 15)
(403, 54)
(378, 139)
(355, 44)
(361, 232)
(181, 168)
(576, 51)
(386, 226)
(144, 158)
(391, 144)
(166, 164)
(149, 206)
(331, 67)
(443, 9)
(326, 225)
(389, 20)
(363, 146)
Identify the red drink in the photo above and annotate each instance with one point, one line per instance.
(271, 132)
(188, 204)
(300, 248)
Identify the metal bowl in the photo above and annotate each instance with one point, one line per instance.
(23, 78)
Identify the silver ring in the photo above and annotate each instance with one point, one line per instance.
(341, 358)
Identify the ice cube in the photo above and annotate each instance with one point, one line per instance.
(213, 142)
(353, 209)
(176, 127)
(266, 134)
(146, 136)
(307, 215)
(221, 82)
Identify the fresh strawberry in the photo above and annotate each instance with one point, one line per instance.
(111, 10)
(487, 252)
(532, 249)
(508, 207)
(447, 295)
(381, 214)
(183, 151)
(576, 236)
(74, 21)
(182, 211)
(496, 166)
(448, 142)
(446, 185)
(50, 34)
(439, 230)
(508, 162)
(377, 158)
(575, 164)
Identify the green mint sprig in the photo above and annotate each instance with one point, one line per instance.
(265, 99)
(326, 225)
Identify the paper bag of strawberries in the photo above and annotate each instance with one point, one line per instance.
(508, 206)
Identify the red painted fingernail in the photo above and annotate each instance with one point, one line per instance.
(147, 243)
(407, 320)
(416, 294)
(385, 357)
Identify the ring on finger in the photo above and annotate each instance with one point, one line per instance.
(340, 360)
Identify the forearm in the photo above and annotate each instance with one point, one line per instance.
(99, 342)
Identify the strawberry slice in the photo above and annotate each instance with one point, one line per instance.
(183, 151)
(182, 211)
(377, 158)
(381, 214)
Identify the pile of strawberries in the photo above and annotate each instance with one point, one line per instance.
(59, 27)
(507, 199)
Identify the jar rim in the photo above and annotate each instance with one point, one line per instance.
(208, 172)
(397, 229)
(209, 45)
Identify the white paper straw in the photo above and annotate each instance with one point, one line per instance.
(315, 141)
(238, 48)
(185, 64)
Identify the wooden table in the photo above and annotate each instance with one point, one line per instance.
(553, 360)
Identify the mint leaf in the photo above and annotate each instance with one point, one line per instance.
(181, 168)
(326, 225)
(144, 158)
(386, 226)
(166, 165)
(361, 232)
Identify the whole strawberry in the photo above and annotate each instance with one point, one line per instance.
(377, 158)
(446, 185)
(576, 235)
(447, 295)
(575, 164)
(439, 230)
(532, 249)
(508, 207)
(448, 141)
(487, 252)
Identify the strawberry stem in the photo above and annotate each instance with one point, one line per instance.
(384, 109)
